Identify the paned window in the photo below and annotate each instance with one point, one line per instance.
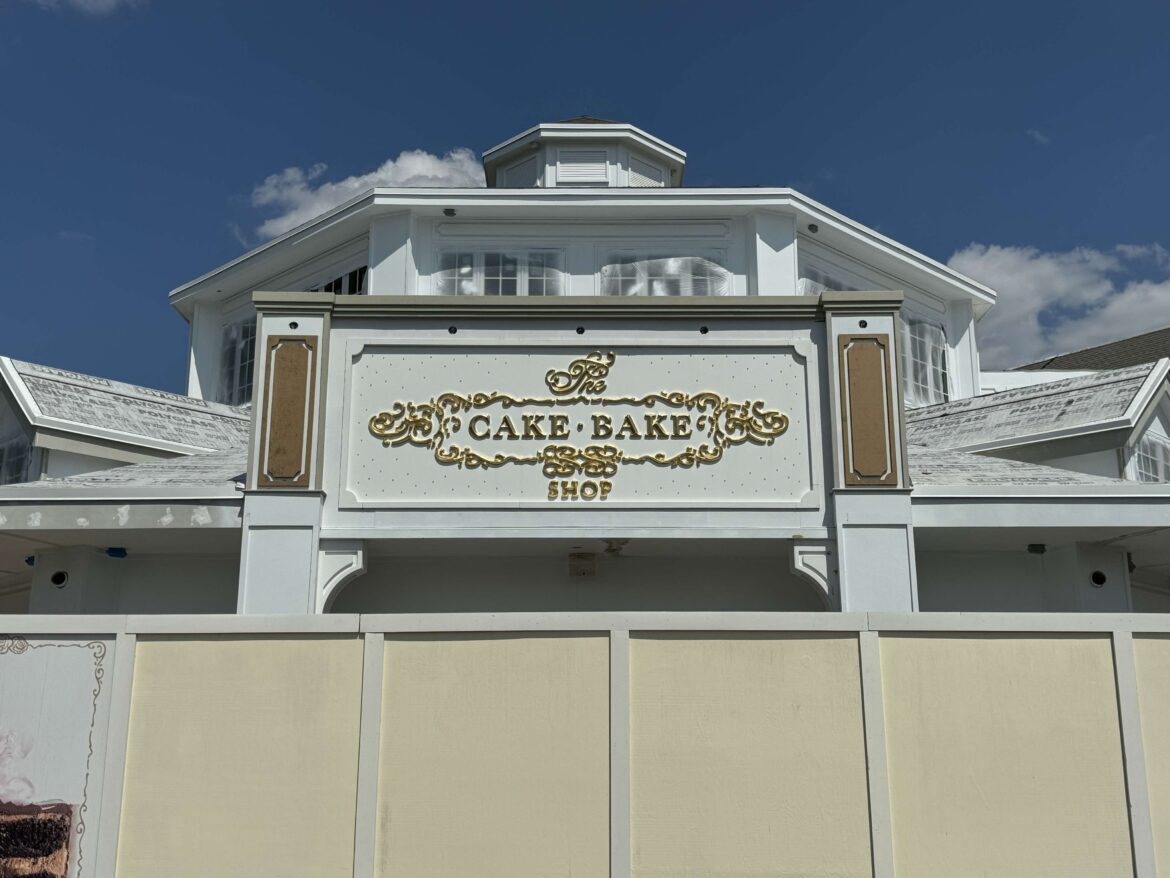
(1151, 458)
(627, 273)
(500, 273)
(14, 455)
(352, 283)
(237, 361)
(924, 364)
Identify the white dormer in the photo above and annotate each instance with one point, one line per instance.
(584, 151)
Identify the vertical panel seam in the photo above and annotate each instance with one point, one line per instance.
(876, 764)
(369, 749)
(117, 741)
(619, 754)
(1133, 754)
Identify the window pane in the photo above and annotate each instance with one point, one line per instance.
(544, 274)
(619, 276)
(456, 275)
(500, 274)
(925, 380)
(13, 460)
(627, 274)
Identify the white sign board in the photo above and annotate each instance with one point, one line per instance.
(525, 425)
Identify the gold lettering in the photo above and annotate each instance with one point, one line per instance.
(558, 426)
(629, 429)
(588, 490)
(568, 490)
(532, 428)
(552, 490)
(602, 427)
(680, 426)
(477, 420)
(506, 427)
(654, 427)
(606, 487)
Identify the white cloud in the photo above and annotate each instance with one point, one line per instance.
(298, 195)
(1039, 136)
(92, 7)
(1054, 302)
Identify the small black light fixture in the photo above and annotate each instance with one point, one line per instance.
(59, 578)
(1037, 548)
(1098, 578)
(448, 211)
(30, 560)
(813, 228)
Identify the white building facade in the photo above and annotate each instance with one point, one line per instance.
(592, 524)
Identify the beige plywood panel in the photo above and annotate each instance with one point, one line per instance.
(494, 757)
(747, 756)
(1004, 757)
(1153, 676)
(242, 757)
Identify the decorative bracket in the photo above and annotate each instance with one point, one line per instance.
(338, 561)
(816, 562)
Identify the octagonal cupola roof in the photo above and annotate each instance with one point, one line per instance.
(584, 151)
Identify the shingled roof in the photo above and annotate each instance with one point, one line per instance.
(73, 402)
(1104, 400)
(1144, 348)
(934, 468)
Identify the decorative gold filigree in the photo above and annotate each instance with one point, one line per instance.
(725, 424)
(587, 374)
(597, 461)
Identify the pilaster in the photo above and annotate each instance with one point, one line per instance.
(871, 489)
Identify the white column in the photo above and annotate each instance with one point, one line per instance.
(278, 554)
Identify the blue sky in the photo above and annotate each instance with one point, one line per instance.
(136, 135)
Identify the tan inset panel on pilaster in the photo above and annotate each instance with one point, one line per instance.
(747, 756)
(287, 407)
(868, 443)
(1153, 676)
(242, 757)
(1004, 757)
(494, 757)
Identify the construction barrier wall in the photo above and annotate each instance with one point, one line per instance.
(635, 744)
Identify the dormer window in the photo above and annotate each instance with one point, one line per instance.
(500, 273)
(924, 362)
(237, 356)
(630, 273)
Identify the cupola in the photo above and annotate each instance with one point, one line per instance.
(584, 151)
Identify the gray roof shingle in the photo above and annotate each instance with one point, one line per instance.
(1017, 415)
(1144, 348)
(932, 467)
(82, 403)
(209, 470)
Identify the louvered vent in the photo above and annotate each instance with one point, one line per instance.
(645, 174)
(522, 175)
(582, 166)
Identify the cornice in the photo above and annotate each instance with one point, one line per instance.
(583, 307)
